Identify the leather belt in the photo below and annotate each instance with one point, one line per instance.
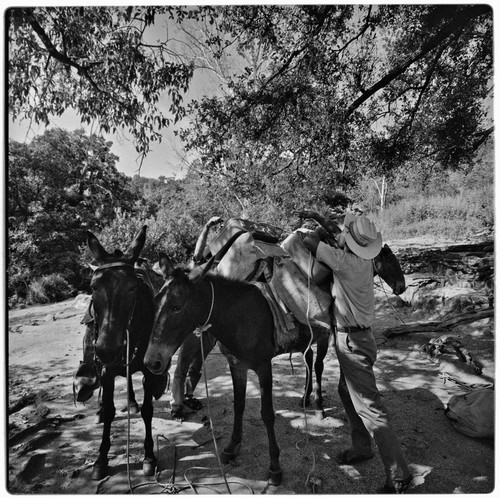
(352, 329)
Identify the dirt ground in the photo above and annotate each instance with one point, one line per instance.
(60, 441)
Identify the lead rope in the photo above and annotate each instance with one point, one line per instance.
(199, 331)
(203, 328)
(210, 418)
(128, 415)
(387, 297)
(129, 380)
(310, 479)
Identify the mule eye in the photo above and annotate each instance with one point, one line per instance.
(176, 308)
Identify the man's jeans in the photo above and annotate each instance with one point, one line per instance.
(357, 352)
(188, 370)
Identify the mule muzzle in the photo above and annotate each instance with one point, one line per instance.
(108, 356)
(399, 289)
(156, 363)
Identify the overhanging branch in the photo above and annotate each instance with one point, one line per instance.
(456, 25)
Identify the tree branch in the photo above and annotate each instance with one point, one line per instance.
(456, 25)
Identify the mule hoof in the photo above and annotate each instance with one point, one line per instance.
(229, 455)
(100, 471)
(275, 477)
(149, 466)
(98, 417)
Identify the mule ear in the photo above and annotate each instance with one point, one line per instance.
(100, 254)
(166, 265)
(137, 244)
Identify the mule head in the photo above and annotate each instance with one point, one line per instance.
(388, 268)
(175, 315)
(114, 295)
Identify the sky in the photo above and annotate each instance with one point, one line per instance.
(165, 157)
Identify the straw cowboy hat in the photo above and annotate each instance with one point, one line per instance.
(361, 236)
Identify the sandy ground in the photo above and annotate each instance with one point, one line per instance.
(45, 347)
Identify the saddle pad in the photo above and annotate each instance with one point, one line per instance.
(259, 230)
(286, 329)
(244, 255)
(306, 301)
(303, 258)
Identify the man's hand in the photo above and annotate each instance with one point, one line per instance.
(329, 225)
(311, 241)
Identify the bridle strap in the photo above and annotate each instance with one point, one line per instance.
(116, 264)
(211, 305)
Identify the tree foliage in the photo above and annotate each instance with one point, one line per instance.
(319, 102)
(345, 91)
(59, 185)
(100, 61)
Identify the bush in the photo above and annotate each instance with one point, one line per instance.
(445, 217)
(49, 289)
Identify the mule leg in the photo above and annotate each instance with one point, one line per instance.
(101, 469)
(305, 400)
(265, 375)
(132, 403)
(239, 376)
(98, 415)
(150, 462)
(321, 350)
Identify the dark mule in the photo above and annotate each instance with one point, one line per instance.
(387, 266)
(240, 318)
(123, 308)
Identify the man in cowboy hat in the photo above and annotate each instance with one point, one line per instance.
(351, 263)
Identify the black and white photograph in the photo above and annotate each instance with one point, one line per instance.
(249, 249)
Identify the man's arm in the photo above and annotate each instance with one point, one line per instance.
(311, 241)
(330, 226)
(202, 238)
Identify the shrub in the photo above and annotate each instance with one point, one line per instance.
(49, 289)
(445, 217)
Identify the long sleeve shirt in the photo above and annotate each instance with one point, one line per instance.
(352, 286)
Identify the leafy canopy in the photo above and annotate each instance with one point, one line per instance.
(339, 92)
(101, 61)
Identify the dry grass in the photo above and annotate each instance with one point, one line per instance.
(446, 217)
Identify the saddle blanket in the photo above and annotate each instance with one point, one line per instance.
(286, 327)
(306, 301)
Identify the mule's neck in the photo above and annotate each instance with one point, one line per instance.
(142, 319)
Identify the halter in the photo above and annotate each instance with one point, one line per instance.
(113, 265)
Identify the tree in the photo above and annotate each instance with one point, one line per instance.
(59, 185)
(103, 62)
(347, 91)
